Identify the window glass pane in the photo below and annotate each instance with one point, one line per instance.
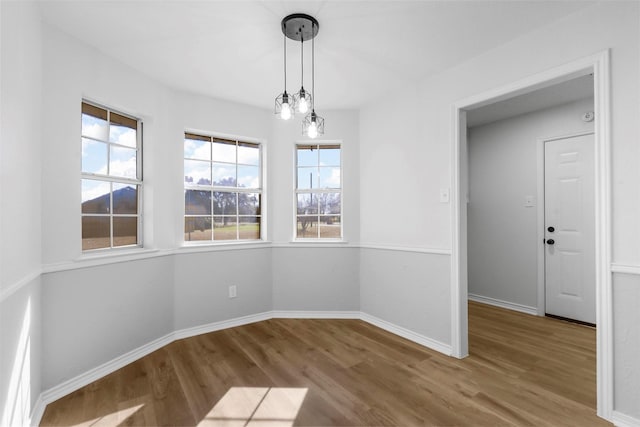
(329, 155)
(225, 228)
(125, 199)
(123, 130)
(330, 227)
(329, 203)
(248, 154)
(94, 122)
(249, 203)
(249, 228)
(125, 231)
(197, 228)
(223, 151)
(123, 162)
(197, 202)
(307, 227)
(307, 204)
(197, 149)
(197, 172)
(307, 178)
(329, 177)
(224, 175)
(95, 232)
(225, 203)
(94, 156)
(95, 196)
(249, 176)
(307, 155)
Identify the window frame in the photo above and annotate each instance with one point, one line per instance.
(297, 191)
(138, 182)
(260, 190)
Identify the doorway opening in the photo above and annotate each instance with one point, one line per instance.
(598, 66)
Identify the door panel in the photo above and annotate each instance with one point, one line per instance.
(569, 209)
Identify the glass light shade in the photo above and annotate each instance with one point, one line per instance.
(313, 125)
(302, 101)
(285, 106)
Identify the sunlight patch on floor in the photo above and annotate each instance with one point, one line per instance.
(256, 406)
(112, 419)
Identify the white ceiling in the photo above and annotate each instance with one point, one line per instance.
(233, 49)
(550, 96)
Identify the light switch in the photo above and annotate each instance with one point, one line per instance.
(529, 201)
(444, 195)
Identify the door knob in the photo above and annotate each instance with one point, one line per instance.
(551, 229)
(550, 241)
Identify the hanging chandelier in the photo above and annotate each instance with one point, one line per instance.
(300, 27)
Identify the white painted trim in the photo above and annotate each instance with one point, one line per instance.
(625, 269)
(290, 314)
(37, 412)
(598, 64)
(434, 251)
(504, 304)
(218, 326)
(140, 254)
(406, 333)
(216, 247)
(315, 244)
(623, 420)
(540, 231)
(111, 257)
(98, 372)
(16, 286)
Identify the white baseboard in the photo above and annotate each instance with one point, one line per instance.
(406, 333)
(289, 314)
(37, 412)
(624, 420)
(98, 372)
(504, 304)
(218, 326)
(113, 365)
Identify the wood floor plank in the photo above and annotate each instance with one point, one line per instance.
(522, 371)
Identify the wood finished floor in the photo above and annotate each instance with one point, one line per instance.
(523, 370)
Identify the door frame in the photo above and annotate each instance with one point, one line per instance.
(599, 65)
(540, 234)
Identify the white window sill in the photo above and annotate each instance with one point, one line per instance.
(108, 256)
(208, 246)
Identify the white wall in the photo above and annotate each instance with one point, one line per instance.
(423, 128)
(93, 315)
(315, 279)
(202, 282)
(307, 278)
(20, 210)
(503, 169)
(626, 318)
(95, 312)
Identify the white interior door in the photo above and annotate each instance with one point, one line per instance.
(570, 228)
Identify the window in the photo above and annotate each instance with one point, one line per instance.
(318, 192)
(222, 189)
(111, 178)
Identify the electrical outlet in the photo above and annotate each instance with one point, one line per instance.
(233, 291)
(444, 195)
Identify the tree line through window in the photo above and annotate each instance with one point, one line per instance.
(222, 189)
(318, 191)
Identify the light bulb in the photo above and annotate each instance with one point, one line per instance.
(285, 111)
(303, 105)
(312, 132)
